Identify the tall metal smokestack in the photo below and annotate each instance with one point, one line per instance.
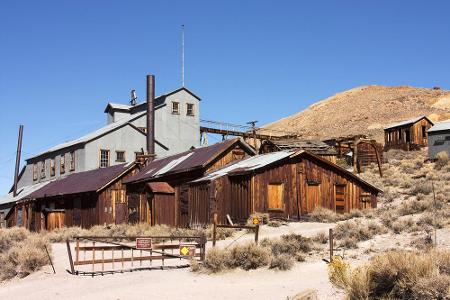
(19, 151)
(151, 116)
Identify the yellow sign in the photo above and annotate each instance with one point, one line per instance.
(187, 250)
(256, 221)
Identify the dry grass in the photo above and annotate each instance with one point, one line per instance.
(128, 230)
(442, 160)
(352, 231)
(22, 252)
(291, 244)
(395, 275)
(324, 215)
(246, 256)
(282, 262)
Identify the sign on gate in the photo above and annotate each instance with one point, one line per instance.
(257, 220)
(187, 250)
(144, 243)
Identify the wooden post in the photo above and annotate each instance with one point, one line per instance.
(72, 269)
(214, 229)
(331, 244)
(256, 233)
(93, 256)
(203, 247)
(77, 250)
(50, 259)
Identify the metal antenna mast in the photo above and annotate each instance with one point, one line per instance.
(182, 55)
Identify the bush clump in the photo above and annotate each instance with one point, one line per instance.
(22, 252)
(396, 275)
(354, 231)
(282, 262)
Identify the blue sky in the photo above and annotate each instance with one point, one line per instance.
(62, 61)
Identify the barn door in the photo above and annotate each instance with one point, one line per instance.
(312, 197)
(339, 203)
(240, 198)
(121, 213)
(77, 212)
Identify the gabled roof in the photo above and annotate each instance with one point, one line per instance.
(186, 161)
(407, 122)
(441, 126)
(158, 101)
(314, 146)
(258, 162)
(249, 164)
(82, 182)
(23, 193)
(93, 135)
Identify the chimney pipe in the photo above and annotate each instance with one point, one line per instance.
(19, 151)
(151, 116)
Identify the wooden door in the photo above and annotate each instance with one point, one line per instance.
(77, 212)
(133, 208)
(121, 213)
(240, 199)
(312, 197)
(339, 196)
(163, 209)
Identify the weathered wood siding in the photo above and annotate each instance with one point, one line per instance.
(301, 184)
(163, 209)
(396, 138)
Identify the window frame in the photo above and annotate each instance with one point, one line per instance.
(177, 111)
(35, 172)
(117, 156)
(100, 158)
(52, 167)
(62, 164)
(42, 171)
(192, 114)
(72, 161)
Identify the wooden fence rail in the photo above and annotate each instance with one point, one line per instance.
(107, 255)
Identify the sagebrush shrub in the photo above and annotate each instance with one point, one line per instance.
(282, 262)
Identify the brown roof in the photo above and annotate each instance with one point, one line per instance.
(186, 161)
(82, 182)
(314, 146)
(161, 187)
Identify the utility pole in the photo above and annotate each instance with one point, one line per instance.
(18, 153)
(182, 55)
(253, 125)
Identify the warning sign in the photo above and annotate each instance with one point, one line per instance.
(144, 243)
(257, 220)
(187, 250)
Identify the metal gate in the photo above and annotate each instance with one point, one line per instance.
(94, 255)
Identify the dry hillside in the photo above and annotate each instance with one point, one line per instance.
(366, 110)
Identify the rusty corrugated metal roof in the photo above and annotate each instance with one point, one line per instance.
(82, 182)
(161, 187)
(185, 161)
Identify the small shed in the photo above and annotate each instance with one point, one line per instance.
(407, 135)
(286, 184)
(439, 139)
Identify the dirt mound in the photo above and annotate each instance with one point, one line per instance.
(366, 110)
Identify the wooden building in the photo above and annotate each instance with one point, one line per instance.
(159, 192)
(313, 146)
(286, 185)
(82, 199)
(407, 135)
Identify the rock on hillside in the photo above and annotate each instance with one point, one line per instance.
(366, 110)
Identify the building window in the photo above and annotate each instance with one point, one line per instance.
(120, 156)
(190, 109)
(275, 196)
(43, 169)
(72, 161)
(176, 108)
(424, 132)
(35, 172)
(104, 158)
(62, 165)
(52, 167)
